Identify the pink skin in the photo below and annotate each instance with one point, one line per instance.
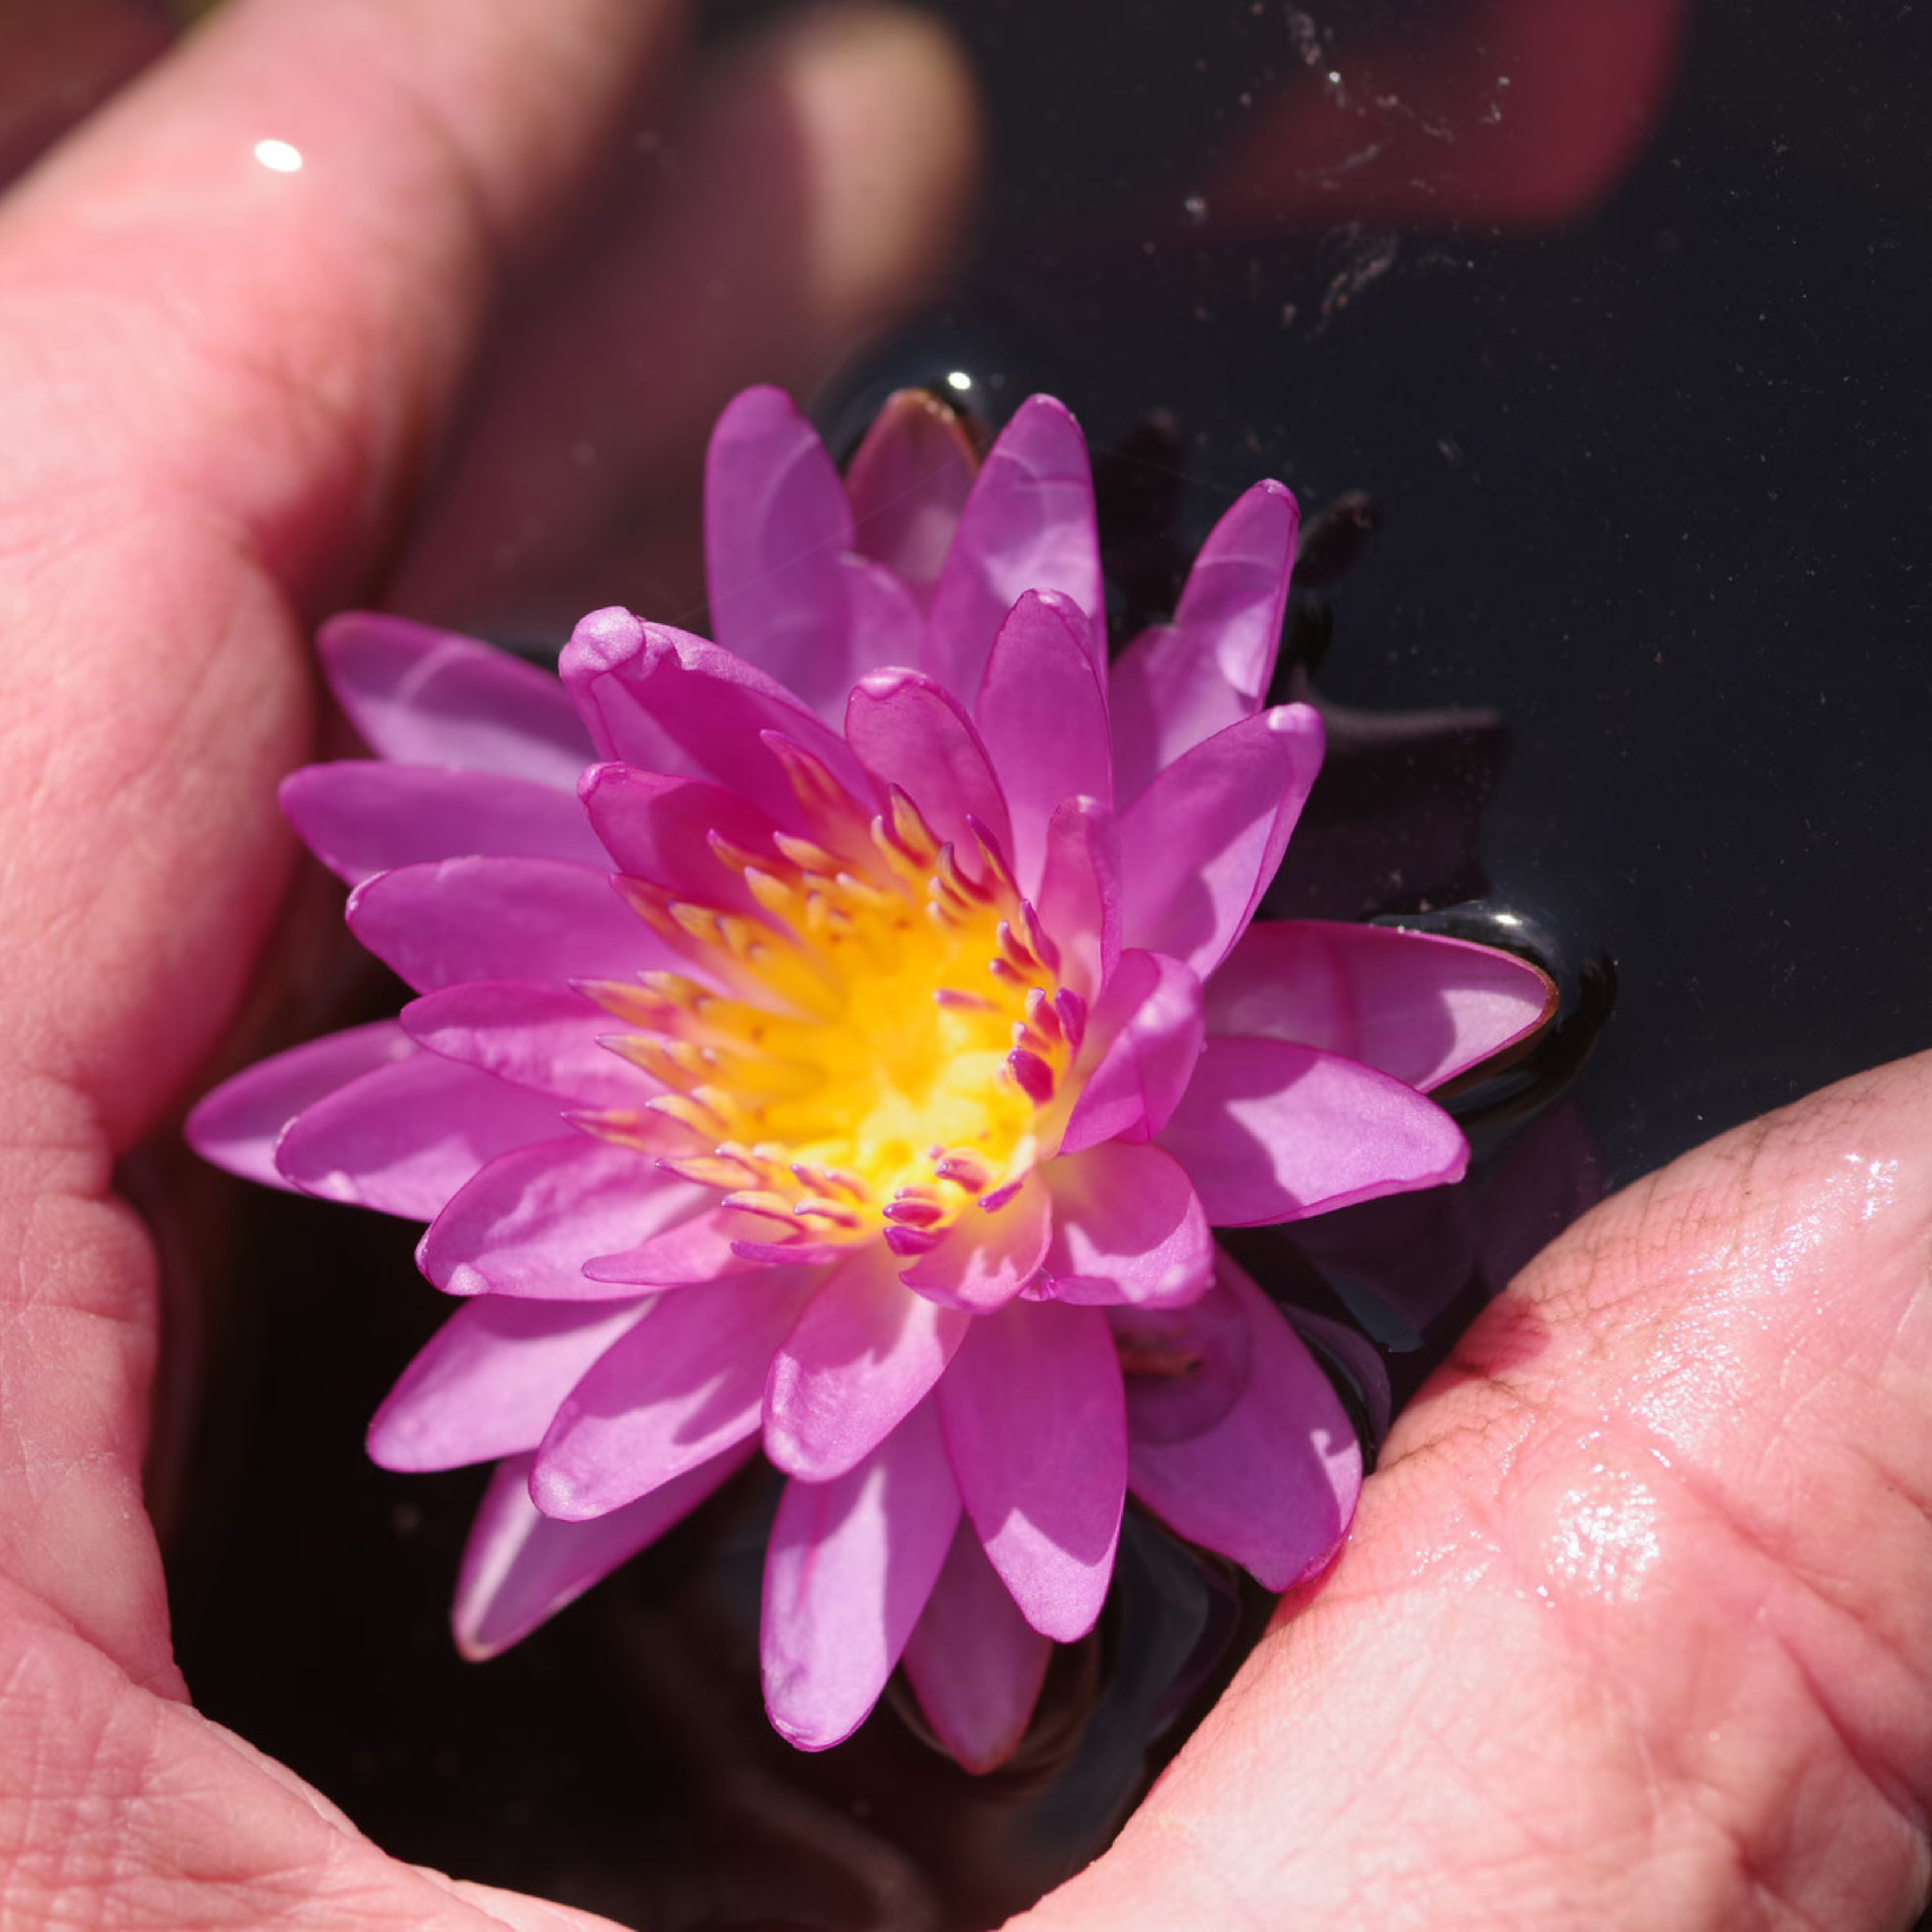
(1697, 1423)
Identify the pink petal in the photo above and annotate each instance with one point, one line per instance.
(405, 1137)
(502, 919)
(1206, 836)
(489, 1381)
(1181, 682)
(1080, 893)
(1185, 1368)
(974, 1663)
(706, 1247)
(237, 1126)
(1043, 716)
(544, 1037)
(985, 1259)
(849, 1567)
(1035, 1429)
(1421, 1008)
(785, 593)
(667, 701)
(423, 697)
(1143, 1039)
(521, 1566)
(1028, 525)
(861, 1358)
(1270, 1130)
(686, 1384)
(907, 482)
(1274, 1484)
(1126, 1227)
(907, 731)
(363, 817)
(527, 1224)
(657, 828)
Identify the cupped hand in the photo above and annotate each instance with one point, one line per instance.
(1632, 1630)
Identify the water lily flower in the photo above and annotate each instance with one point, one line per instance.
(839, 1038)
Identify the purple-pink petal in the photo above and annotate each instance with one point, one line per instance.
(488, 1381)
(1207, 835)
(1042, 715)
(545, 1037)
(403, 1138)
(975, 1664)
(987, 1255)
(1080, 892)
(784, 591)
(909, 732)
(1143, 1038)
(419, 696)
(238, 1125)
(362, 816)
(1270, 1130)
(1028, 525)
(1274, 1484)
(658, 827)
(1036, 1428)
(667, 701)
(907, 482)
(527, 1222)
(520, 1567)
(683, 1385)
(860, 1358)
(703, 1246)
(1420, 1007)
(1127, 1226)
(849, 1567)
(1179, 683)
(535, 919)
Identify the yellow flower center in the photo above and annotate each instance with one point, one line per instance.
(870, 1055)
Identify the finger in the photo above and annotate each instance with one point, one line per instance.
(57, 63)
(1631, 1631)
(816, 188)
(215, 383)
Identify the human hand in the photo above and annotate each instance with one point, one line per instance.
(221, 387)
(1631, 1630)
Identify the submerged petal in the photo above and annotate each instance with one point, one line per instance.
(520, 1567)
(419, 696)
(851, 1563)
(1270, 1130)
(1273, 1482)
(860, 1358)
(488, 1381)
(975, 1664)
(1035, 1429)
(1419, 1006)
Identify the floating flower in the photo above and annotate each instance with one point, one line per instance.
(878, 1116)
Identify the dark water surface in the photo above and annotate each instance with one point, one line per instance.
(1635, 409)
